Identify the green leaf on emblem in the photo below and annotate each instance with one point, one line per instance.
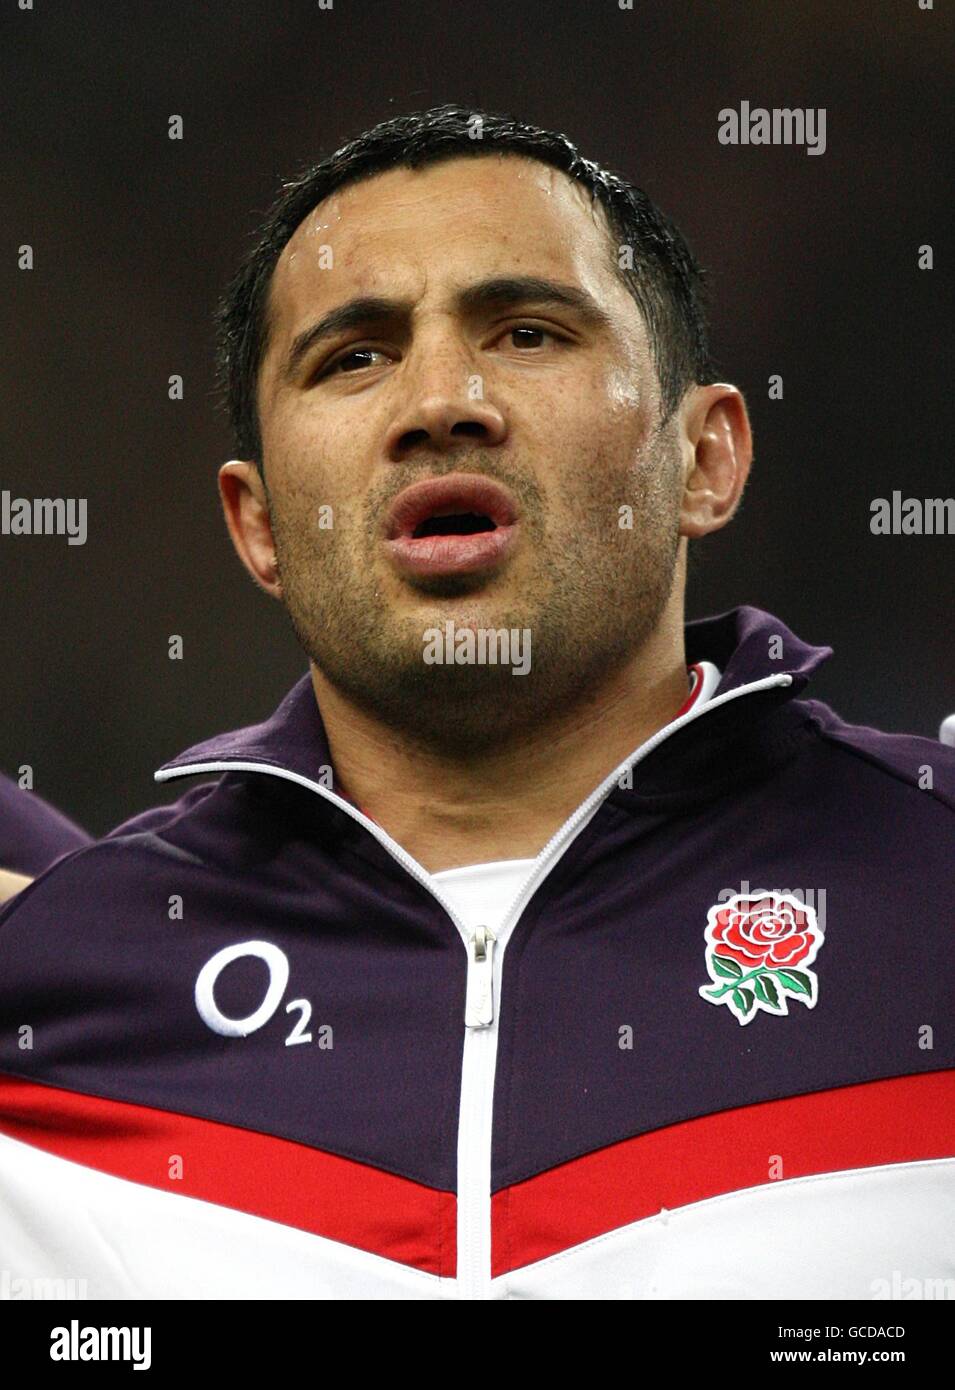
(743, 999)
(724, 966)
(796, 981)
(766, 991)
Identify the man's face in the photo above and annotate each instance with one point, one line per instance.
(556, 402)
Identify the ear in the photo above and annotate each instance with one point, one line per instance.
(246, 509)
(717, 448)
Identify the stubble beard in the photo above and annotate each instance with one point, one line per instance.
(596, 594)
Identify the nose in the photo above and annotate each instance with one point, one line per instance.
(443, 403)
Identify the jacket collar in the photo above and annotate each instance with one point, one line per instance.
(293, 738)
(750, 647)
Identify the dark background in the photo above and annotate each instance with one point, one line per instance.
(813, 274)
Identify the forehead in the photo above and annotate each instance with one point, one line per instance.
(409, 231)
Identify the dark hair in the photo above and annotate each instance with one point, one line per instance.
(665, 280)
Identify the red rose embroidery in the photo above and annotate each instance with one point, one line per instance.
(754, 944)
(763, 931)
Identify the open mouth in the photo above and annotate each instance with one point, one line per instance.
(454, 524)
(458, 524)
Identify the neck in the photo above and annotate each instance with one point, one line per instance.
(506, 805)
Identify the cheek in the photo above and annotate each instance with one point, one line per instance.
(615, 467)
(309, 467)
(624, 394)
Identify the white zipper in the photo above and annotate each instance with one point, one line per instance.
(483, 992)
(479, 998)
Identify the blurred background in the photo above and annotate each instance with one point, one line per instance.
(813, 275)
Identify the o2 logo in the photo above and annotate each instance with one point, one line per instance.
(278, 967)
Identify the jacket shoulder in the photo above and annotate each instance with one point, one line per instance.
(33, 834)
(112, 868)
(924, 764)
(156, 818)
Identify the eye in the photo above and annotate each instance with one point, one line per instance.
(358, 356)
(530, 337)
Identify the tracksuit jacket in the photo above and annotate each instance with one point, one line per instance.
(712, 1053)
(33, 834)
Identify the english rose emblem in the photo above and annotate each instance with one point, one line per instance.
(758, 950)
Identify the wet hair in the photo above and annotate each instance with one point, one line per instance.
(660, 272)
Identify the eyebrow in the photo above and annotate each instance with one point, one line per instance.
(369, 310)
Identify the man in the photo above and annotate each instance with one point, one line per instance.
(538, 945)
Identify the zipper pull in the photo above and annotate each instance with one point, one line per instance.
(479, 1005)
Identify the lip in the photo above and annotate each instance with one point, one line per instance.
(451, 554)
